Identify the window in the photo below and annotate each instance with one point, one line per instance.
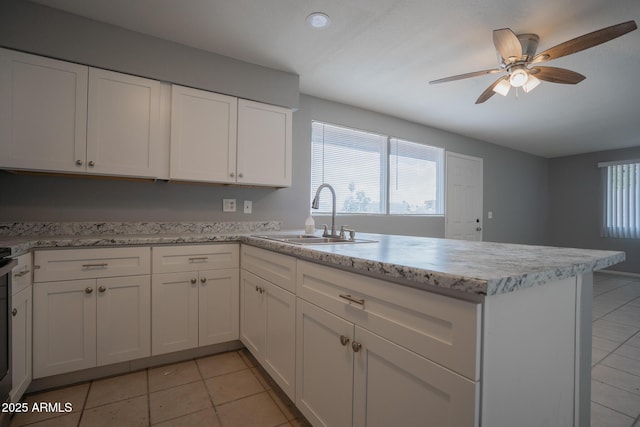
(376, 174)
(621, 216)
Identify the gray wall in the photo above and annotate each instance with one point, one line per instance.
(515, 183)
(45, 31)
(576, 202)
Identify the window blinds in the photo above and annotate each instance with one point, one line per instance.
(621, 216)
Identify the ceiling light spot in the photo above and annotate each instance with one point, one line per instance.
(318, 20)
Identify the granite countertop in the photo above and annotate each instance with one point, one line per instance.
(478, 268)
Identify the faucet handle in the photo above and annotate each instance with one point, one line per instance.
(326, 230)
(352, 232)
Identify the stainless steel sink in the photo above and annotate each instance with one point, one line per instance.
(305, 239)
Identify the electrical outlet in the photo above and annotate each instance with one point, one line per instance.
(228, 205)
(489, 215)
(248, 206)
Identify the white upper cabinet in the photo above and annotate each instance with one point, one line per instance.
(264, 144)
(43, 113)
(124, 125)
(203, 136)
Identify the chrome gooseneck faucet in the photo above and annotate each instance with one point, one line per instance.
(316, 204)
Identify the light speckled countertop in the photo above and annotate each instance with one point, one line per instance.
(479, 268)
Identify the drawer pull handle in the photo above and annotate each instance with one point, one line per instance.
(88, 290)
(344, 340)
(193, 281)
(102, 289)
(356, 346)
(352, 299)
(99, 265)
(22, 273)
(203, 280)
(198, 258)
(14, 312)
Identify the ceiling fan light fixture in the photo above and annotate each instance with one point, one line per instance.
(518, 77)
(502, 87)
(531, 84)
(318, 20)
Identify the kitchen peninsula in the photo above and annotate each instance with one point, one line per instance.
(457, 333)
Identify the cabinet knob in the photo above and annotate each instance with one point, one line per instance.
(79, 162)
(88, 290)
(240, 175)
(203, 280)
(14, 312)
(232, 174)
(92, 163)
(356, 346)
(193, 281)
(478, 228)
(344, 340)
(102, 289)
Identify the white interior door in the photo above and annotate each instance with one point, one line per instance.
(463, 215)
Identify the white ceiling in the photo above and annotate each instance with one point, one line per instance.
(380, 55)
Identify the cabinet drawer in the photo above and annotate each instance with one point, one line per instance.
(175, 259)
(21, 274)
(442, 329)
(276, 268)
(70, 264)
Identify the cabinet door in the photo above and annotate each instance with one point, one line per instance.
(123, 127)
(394, 385)
(252, 314)
(124, 319)
(219, 306)
(203, 136)
(264, 144)
(20, 343)
(324, 368)
(64, 327)
(280, 343)
(174, 318)
(43, 113)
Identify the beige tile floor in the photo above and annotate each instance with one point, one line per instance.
(225, 390)
(615, 376)
(230, 390)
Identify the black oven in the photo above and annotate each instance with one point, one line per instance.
(6, 264)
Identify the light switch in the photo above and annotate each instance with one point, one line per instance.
(248, 206)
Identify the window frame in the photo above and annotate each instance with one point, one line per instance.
(385, 175)
(610, 226)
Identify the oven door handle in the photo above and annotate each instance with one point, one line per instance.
(5, 269)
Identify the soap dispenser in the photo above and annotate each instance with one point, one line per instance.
(309, 225)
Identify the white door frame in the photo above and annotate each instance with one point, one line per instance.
(449, 156)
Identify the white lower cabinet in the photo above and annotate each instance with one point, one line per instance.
(21, 324)
(91, 307)
(192, 309)
(268, 328)
(373, 353)
(195, 296)
(348, 375)
(268, 313)
(81, 324)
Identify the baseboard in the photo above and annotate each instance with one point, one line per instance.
(619, 273)
(63, 380)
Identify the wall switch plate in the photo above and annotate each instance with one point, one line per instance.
(228, 205)
(248, 206)
(489, 215)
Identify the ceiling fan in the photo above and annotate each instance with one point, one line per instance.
(517, 54)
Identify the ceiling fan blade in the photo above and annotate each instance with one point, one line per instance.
(557, 75)
(585, 42)
(507, 44)
(488, 93)
(465, 76)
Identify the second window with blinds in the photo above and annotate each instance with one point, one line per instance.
(376, 174)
